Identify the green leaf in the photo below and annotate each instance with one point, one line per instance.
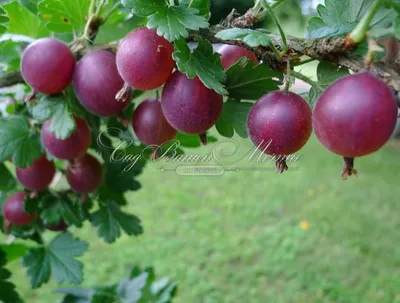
(7, 289)
(224, 125)
(191, 141)
(39, 266)
(17, 141)
(131, 290)
(165, 290)
(251, 82)
(144, 8)
(116, 31)
(7, 181)
(107, 195)
(64, 16)
(397, 28)
(30, 5)
(105, 294)
(251, 37)
(174, 22)
(75, 295)
(10, 53)
(202, 62)
(234, 117)
(14, 251)
(61, 209)
(339, 17)
(202, 5)
(57, 259)
(362, 50)
(327, 73)
(110, 219)
(3, 20)
(119, 177)
(23, 22)
(55, 107)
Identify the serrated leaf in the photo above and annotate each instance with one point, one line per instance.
(202, 62)
(17, 141)
(62, 123)
(61, 209)
(251, 37)
(8, 292)
(251, 82)
(57, 259)
(327, 73)
(7, 181)
(144, 8)
(110, 219)
(119, 177)
(57, 108)
(64, 16)
(3, 20)
(339, 17)
(173, 22)
(39, 266)
(107, 195)
(23, 22)
(32, 204)
(202, 5)
(234, 117)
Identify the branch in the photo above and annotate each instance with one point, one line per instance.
(11, 79)
(330, 49)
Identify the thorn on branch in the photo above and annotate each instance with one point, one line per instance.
(234, 19)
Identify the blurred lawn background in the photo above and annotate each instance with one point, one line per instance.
(258, 237)
(304, 236)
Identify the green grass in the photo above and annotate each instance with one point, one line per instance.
(237, 237)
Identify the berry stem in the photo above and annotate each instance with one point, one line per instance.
(154, 154)
(288, 81)
(6, 226)
(281, 165)
(31, 97)
(276, 21)
(203, 138)
(123, 94)
(348, 168)
(94, 21)
(358, 34)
